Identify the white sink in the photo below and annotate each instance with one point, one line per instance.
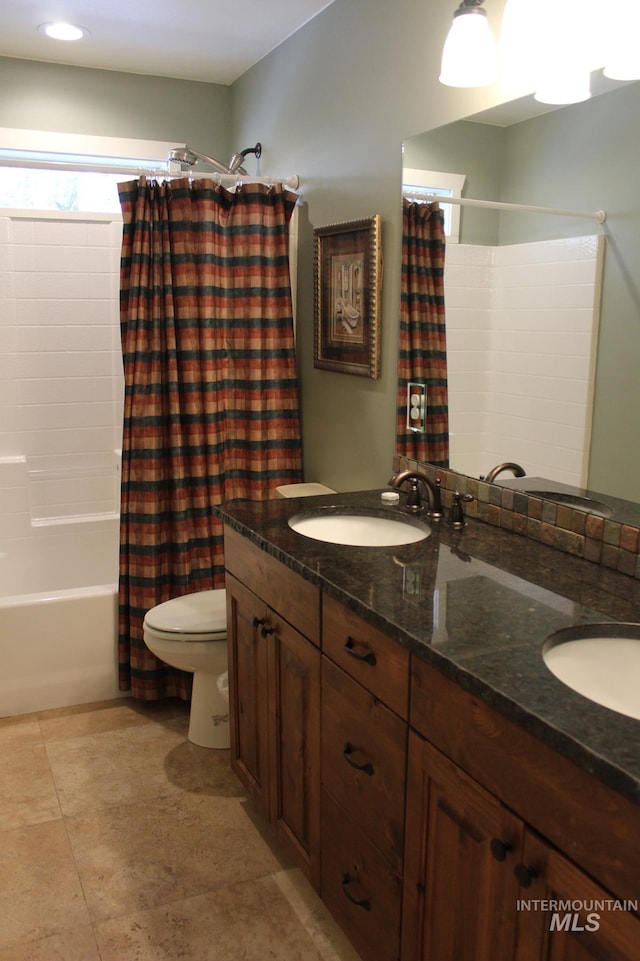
(599, 661)
(360, 530)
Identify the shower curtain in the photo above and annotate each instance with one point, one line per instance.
(211, 397)
(422, 339)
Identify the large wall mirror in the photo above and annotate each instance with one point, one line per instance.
(540, 339)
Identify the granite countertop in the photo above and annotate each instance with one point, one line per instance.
(477, 604)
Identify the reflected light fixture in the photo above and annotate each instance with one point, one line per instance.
(63, 31)
(469, 56)
(623, 41)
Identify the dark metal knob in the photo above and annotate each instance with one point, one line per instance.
(499, 848)
(524, 875)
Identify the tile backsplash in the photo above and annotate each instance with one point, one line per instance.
(600, 540)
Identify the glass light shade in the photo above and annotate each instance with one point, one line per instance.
(622, 56)
(469, 56)
(559, 88)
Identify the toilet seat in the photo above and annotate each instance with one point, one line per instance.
(190, 618)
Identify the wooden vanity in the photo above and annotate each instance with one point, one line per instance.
(434, 827)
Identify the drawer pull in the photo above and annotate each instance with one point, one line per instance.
(258, 621)
(265, 631)
(368, 658)
(363, 903)
(347, 754)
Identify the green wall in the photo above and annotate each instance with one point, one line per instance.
(334, 104)
(105, 103)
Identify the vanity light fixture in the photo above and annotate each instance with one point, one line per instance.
(469, 56)
(622, 58)
(63, 31)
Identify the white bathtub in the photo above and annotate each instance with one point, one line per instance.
(58, 624)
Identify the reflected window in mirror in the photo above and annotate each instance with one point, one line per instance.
(418, 184)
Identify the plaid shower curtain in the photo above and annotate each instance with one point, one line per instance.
(422, 340)
(211, 397)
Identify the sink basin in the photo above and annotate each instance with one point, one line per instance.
(366, 529)
(599, 661)
(574, 500)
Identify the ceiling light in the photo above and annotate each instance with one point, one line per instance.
(469, 56)
(63, 31)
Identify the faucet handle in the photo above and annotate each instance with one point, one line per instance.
(456, 512)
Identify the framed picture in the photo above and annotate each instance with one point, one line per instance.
(348, 282)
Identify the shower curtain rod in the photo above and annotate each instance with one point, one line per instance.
(598, 215)
(225, 180)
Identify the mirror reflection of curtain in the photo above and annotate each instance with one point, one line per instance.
(422, 339)
(211, 393)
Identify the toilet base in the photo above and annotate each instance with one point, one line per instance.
(209, 717)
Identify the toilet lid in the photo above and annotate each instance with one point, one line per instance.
(202, 613)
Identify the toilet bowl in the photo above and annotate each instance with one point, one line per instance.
(190, 633)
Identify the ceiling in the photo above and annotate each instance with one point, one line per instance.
(214, 41)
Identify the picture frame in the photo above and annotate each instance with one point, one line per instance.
(347, 288)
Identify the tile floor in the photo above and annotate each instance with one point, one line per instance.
(122, 841)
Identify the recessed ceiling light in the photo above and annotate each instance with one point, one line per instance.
(63, 31)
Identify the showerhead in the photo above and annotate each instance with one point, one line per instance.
(185, 155)
(182, 155)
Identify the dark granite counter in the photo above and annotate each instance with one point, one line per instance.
(477, 604)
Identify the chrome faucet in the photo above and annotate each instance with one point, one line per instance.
(515, 469)
(414, 500)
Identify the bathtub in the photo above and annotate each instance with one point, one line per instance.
(59, 616)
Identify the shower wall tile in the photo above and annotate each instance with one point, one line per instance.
(60, 366)
(540, 307)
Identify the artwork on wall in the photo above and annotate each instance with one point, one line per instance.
(347, 287)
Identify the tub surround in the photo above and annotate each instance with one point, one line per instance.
(477, 604)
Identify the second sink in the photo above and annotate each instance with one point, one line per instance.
(366, 529)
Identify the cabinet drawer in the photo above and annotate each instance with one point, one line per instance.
(364, 749)
(359, 886)
(376, 660)
(295, 599)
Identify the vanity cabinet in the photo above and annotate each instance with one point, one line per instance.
(432, 824)
(476, 868)
(273, 623)
(364, 750)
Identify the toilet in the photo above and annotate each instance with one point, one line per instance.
(190, 633)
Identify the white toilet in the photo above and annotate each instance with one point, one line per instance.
(190, 633)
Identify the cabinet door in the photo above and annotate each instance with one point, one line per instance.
(294, 742)
(461, 846)
(565, 916)
(248, 695)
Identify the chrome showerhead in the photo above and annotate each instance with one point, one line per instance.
(182, 155)
(185, 155)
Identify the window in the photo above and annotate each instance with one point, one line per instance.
(419, 183)
(48, 171)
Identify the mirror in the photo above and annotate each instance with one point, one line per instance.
(577, 157)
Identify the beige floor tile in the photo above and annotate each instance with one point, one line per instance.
(331, 943)
(78, 945)
(40, 892)
(27, 790)
(133, 763)
(138, 856)
(92, 719)
(251, 921)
